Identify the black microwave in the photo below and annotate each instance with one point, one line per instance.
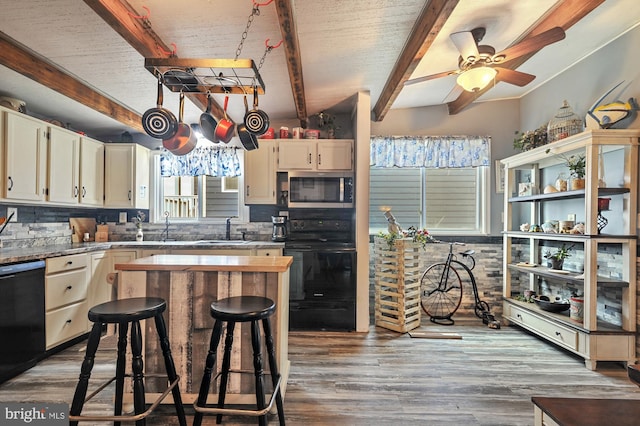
(321, 189)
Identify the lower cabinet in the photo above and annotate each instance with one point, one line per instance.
(593, 346)
(66, 289)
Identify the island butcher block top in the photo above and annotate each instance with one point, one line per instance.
(185, 262)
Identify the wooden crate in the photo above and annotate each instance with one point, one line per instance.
(397, 284)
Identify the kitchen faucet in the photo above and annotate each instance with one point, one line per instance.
(165, 234)
(228, 231)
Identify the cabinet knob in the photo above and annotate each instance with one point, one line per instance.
(69, 287)
(319, 159)
(558, 333)
(309, 158)
(10, 183)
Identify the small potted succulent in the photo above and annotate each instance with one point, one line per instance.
(556, 259)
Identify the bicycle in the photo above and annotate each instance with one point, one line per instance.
(441, 290)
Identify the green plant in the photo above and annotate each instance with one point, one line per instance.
(531, 139)
(576, 165)
(560, 254)
(417, 236)
(139, 219)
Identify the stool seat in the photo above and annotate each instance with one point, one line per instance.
(127, 314)
(243, 308)
(127, 310)
(232, 310)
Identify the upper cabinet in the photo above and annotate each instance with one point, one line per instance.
(260, 174)
(91, 172)
(126, 176)
(315, 154)
(64, 166)
(24, 141)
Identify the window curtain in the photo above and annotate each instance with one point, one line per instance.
(435, 152)
(211, 161)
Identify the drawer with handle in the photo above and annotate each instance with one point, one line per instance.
(563, 336)
(65, 288)
(66, 263)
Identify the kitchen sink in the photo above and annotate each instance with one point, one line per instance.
(222, 242)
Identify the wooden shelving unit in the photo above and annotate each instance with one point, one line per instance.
(599, 336)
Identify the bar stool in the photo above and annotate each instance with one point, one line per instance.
(124, 312)
(232, 310)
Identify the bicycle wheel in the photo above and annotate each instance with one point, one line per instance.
(440, 291)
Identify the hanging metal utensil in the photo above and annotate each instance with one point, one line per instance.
(159, 122)
(225, 127)
(208, 123)
(184, 141)
(248, 139)
(256, 121)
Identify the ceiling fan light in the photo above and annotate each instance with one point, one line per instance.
(475, 79)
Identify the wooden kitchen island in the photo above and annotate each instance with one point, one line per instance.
(189, 283)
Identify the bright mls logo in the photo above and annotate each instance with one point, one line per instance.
(33, 413)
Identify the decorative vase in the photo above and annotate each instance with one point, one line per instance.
(577, 183)
(331, 133)
(139, 235)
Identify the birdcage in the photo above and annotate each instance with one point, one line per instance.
(564, 124)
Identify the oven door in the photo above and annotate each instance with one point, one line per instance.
(322, 289)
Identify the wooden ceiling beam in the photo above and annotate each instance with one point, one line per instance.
(424, 32)
(22, 60)
(122, 17)
(564, 14)
(292, 53)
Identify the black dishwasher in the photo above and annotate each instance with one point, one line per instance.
(22, 315)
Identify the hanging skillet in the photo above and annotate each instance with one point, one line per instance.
(159, 122)
(208, 122)
(256, 121)
(248, 139)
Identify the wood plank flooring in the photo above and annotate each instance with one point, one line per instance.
(386, 378)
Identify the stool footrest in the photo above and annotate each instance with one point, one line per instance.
(238, 411)
(128, 417)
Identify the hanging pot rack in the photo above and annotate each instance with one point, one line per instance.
(223, 76)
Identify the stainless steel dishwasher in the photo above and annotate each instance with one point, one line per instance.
(22, 316)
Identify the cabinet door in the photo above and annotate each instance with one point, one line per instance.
(91, 172)
(64, 160)
(296, 155)
(260, 174)
(26, 160)
(100, 290)
(335, 155)
(119, 173)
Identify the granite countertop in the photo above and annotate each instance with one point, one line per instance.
(208, 263)
(12, 255)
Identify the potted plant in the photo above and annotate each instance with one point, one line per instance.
(576, 165)
(556, 259)
(327, 122)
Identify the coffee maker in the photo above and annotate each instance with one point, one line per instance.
(279, 233)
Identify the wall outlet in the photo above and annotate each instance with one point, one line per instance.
(571, 217)
(13, 210)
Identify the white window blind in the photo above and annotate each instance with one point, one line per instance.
(400, 189)
(451, 199)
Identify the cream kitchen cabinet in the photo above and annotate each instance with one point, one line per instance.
(24, 141)
(66, 287)
(126, 176)
(64, 166)
(91, 172)
(315, 154)
(602, 266)
(260, 174)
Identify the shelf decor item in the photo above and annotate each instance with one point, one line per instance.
(564, 124)
(531, 139)
(140, 217)
(556, 259)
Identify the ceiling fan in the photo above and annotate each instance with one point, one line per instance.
(479, 65)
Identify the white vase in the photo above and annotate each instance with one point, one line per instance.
(139, 235)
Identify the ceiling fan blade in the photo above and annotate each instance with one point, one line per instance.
(466, 45)
(517, 78)
(430, 77)
(532, 44)
(453, 94)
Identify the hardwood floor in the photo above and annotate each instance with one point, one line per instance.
(386, 378)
